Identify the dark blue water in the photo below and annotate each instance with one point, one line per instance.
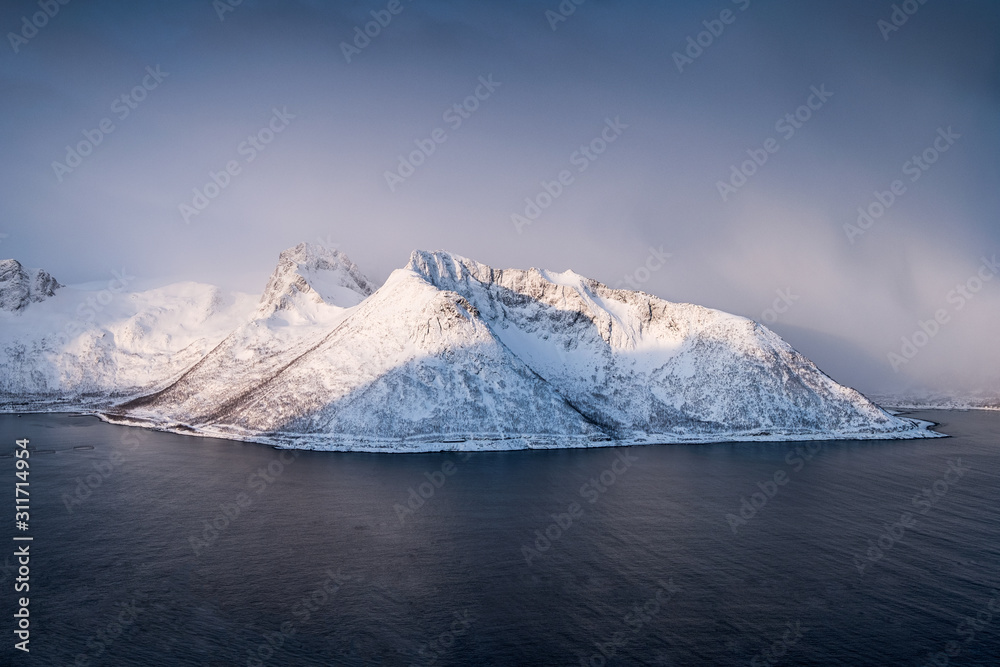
(321, 560)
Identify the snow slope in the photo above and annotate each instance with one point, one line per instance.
(450, 353)
(310, 292)
(83, 346)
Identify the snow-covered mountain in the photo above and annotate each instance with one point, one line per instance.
(85, 346)
(451, 350)
(447, 354)
(310, 276)
(310, 292)
(987, 399)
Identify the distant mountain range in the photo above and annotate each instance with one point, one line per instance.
(448, 354)
(927, 400)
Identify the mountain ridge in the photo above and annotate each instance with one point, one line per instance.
(453, 353)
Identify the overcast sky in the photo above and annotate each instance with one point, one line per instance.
(332, 112)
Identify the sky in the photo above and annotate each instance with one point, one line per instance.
(715, 153)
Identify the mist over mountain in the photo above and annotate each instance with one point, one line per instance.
(448, 352)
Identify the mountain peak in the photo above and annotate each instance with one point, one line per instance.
(426, 262)
(311, 275)
(20, 286)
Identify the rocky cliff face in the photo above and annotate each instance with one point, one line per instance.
(310, 275)
(20, 286)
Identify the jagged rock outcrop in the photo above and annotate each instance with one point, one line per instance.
(20, 286)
